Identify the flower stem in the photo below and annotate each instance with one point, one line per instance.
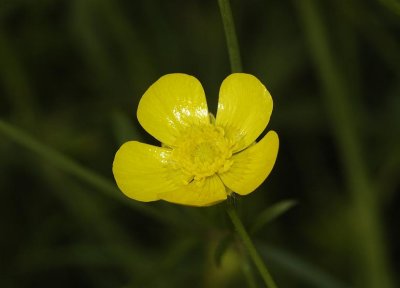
(236, 66)
(251, 249)
(230, 34)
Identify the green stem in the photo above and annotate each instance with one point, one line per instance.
(230, 34)
(376, 272)
(70, 166)
(251, 249)
(236, 66)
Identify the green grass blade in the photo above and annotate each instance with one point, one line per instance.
(68, 165)
(373, 265)
(296, 267)
(271, 213)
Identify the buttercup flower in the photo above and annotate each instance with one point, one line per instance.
(202, 159)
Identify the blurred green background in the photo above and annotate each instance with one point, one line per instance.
(71, 75)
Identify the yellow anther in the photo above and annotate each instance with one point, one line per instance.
(202, 151)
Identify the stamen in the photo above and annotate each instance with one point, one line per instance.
(202, 151)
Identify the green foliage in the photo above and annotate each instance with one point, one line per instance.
(271, 213)
(71, 75)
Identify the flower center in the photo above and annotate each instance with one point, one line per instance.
(203, 151)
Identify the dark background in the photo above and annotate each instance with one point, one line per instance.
(71, 75)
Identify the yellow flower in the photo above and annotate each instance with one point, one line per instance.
(202, 158)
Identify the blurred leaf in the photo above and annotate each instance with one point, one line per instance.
(392, 5)
(123, 128)
(70, 166)
(295, 266)
(135, 54)
(271, 213)
(90, 211)
(369, 24)
(16, 82)
(247, 270)
(92, 48)
(221, 248)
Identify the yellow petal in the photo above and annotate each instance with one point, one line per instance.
(252, 166)
(244, 109)
(142, 171)
(198, 193)
(172, 103)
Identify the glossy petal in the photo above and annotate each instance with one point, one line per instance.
(244, 109)
(252, 166)
(142, 171)
(172, 103)
(207, 192)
